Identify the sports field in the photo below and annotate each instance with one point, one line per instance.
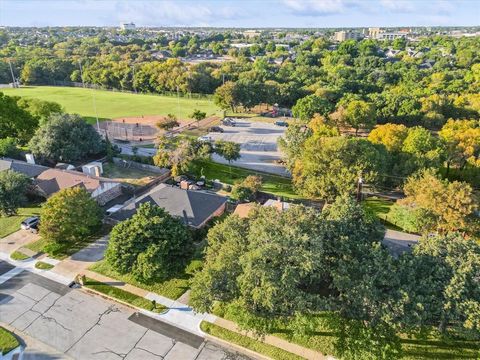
(112, 105)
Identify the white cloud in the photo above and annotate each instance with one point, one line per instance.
(316, 7)
(398, 6)
(172, 13)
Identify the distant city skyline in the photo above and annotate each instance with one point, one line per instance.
(247, 13)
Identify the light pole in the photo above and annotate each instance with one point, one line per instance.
(359, 188)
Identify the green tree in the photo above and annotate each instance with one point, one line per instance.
(357, 114)
(169, 123)
(40, 109)
(151, 245)
(331, 166)
(15, 122)
(66, 138)
(13, 188)
(229, 150)
(310, 105)
(227, 96)
(70, 215)
(392, 136)
(198, 115)
(8, 147)
(292, 143)
(247, 189)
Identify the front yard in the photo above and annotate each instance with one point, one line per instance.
(10, 224)
(172, 288)
(128, 175)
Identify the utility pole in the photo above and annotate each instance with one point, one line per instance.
(13, 76)
(359, 188)
(81, 72)
(223, 79)
(133, 79)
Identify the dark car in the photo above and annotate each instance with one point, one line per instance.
(216, 129)
(281, 123)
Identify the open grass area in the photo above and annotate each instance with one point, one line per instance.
(172, 288)
(127, 175)
(10, 224)
(124, 296)
(114, 104)
(273, 184)
(8, 341)
(18, 256)
(381, 208)
(247, 342)
(43, 265)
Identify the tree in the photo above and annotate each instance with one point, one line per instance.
(179, 155)
(292, 143)
(70, 215)
(229, 150)
(40, 109)
(331, 166)
(151, 245)
(441, 278)
(13, 187)
(462, 138)
(227, 96)
(15, 122)
(392, 136)
(8, 147)
(247, 189)
(198, 115)
(310, 105)
(169, 123)
(357, 114)
(66, 137)
(448, 203)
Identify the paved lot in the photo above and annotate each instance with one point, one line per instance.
(259, 145)
(399, 242)
(16, 240)
(83, 326)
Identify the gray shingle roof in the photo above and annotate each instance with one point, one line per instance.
(30, 170)
(193, 207)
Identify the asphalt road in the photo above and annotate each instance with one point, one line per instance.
(80, 325)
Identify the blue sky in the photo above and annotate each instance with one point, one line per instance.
(241, 13)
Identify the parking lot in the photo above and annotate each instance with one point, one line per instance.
(259, 150)
(84, 326)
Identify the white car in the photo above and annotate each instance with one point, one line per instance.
(205, 138)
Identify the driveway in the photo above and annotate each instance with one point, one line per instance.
(399, 242)
(259, 150)
(16, 240)
(83, 259)
(80, 325)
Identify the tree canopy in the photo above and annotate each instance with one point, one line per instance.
(13, 188)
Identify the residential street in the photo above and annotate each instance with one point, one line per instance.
(84, 326)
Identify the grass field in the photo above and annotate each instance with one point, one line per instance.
(273, 184)
(114, 104)
(10, 224)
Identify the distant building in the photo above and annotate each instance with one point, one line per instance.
(391, 35)
(374, 32)
(347, 35)
(127, 26)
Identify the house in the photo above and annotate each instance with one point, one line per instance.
(52, 180)
(243, 210)
(194, 208)
(29, 170)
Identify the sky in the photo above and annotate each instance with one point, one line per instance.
(241, 13)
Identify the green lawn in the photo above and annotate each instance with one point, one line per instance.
(172, 288)
(274, 184)
(43, 265)
(381, 208)
(17, 255)
(124, 296)
(58, 251)
(11, 224)
(247, 342)
(114, 104)
(8, 341)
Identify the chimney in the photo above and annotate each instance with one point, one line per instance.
(30, 159)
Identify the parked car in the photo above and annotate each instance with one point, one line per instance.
(29, 222)
(205, 138)
(281, 123)
(228, 122)
(216, 129)
(34, 229)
